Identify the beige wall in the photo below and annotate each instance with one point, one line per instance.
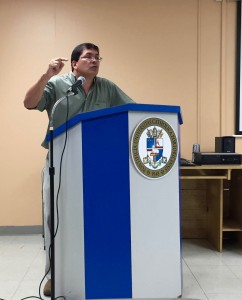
(175, 52)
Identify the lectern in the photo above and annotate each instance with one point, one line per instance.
(118, 204)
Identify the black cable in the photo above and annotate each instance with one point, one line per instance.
(35, 297)
(59, 186)
(60, 171)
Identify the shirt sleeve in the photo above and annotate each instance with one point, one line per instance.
(48, 98)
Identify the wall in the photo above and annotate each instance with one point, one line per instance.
(164, 52)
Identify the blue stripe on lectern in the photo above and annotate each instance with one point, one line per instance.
(107, 240)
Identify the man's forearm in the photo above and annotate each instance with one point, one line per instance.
(35, 93)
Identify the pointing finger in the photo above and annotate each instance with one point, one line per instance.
(61, 59)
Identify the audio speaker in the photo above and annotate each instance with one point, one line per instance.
(225, 144)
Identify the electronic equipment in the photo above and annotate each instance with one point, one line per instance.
(214, 158)
(186, 162)
(225, 144)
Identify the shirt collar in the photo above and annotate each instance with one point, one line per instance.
(74, 78)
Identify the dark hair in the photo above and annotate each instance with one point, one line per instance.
(78, 50)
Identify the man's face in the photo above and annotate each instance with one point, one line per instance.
(87, 65)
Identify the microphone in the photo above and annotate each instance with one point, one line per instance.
(79, 82)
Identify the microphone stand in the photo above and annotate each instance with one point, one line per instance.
(52, 196)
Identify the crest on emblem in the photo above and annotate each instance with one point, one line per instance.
(154, 148)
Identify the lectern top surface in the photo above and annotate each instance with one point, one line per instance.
(154, 108)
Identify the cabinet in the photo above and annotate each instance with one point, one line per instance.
(212, 202)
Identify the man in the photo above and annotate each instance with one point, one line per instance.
(95, 93)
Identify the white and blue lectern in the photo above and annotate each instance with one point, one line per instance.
(118, 229)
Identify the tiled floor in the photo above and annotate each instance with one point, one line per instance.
(22, 261)
(207, 274)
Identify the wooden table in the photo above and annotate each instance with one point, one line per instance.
(212, 202)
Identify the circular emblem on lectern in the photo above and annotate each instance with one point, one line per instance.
(154, 148)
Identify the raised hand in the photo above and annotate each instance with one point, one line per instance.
(55, 66)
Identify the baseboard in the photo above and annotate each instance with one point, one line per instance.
(20, 230)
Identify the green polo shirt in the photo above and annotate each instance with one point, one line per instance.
(102, 94)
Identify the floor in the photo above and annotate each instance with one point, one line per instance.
(207, 274)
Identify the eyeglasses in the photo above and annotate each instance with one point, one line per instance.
(91, 58)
